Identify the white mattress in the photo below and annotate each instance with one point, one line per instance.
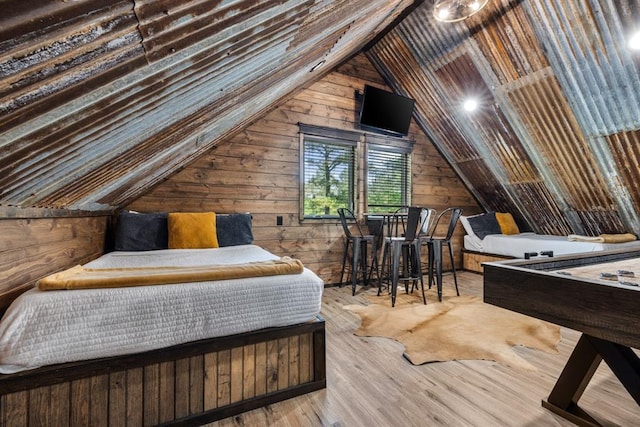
(47, 327)
(516, 245)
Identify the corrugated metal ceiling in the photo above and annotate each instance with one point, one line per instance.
(555, 140)
(102, 99)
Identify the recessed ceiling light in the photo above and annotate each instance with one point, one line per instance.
(634, 41)
(470, 105)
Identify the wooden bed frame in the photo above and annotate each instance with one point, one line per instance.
(188, 384)
(472, 260)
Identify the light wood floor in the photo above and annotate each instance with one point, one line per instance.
(370, 384)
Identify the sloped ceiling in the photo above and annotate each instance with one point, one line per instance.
(101, 99)
(556, 139)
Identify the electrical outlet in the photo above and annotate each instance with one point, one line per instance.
(279, 220)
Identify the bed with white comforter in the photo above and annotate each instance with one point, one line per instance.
(49, 327)
(517, 245)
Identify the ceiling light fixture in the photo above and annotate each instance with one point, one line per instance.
(470, 105)
(456, 10)
(634, 41)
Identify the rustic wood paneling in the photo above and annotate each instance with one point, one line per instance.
(34, 248)
(472, 261)
(162, 386)
(257, 171)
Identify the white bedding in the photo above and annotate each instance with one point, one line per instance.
(517, 244)
(47, 327)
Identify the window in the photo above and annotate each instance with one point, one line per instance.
(328, 177)
(387, 178)
(333, 162)
(328, 168)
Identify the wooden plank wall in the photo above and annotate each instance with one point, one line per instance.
(166, 391)
(257, 171)
(33, 248)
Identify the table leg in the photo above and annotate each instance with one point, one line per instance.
(579, 370)
(624, 363)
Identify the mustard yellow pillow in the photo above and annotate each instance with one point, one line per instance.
(507, 223)
(192, 230)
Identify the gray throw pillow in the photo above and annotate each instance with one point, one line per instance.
(141, 231)
(234, 229)
(483, 225)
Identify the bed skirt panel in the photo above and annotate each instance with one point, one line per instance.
(189, 384)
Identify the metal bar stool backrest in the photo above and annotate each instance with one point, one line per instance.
(414, 223)
(345, 213)
(395, 224)
(453, 215)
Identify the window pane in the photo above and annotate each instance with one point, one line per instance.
(387, 180)
(328, 178)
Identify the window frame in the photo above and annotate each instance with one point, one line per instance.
(405, 152)
(336, 137)
(361, 142)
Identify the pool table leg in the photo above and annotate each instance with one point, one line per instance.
(579, 370)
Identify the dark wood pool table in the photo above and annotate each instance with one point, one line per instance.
(569, 292)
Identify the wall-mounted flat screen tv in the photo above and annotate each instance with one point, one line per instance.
(385, 111)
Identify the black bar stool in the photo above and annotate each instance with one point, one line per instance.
(436, 242)
(357, 246)
(403, 242)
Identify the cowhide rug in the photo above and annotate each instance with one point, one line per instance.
(458, 328)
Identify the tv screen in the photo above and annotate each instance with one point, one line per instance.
(385, 111)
